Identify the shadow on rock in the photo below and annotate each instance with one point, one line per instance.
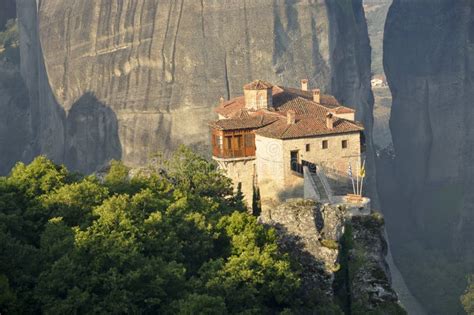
(92, 138)
(315, 278)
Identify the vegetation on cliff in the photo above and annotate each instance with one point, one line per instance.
(9, 42)
(467, 299)
(171, 239)
(362, 284)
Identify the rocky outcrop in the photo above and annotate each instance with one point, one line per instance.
(429, 63)
(310, 232)
(161, 66)
(341, 255)
(368, 272)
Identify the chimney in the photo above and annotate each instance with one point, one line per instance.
(329, 121)
(291, 117)
(304, 84)
(317, 96)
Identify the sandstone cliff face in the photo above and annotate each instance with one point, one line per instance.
(429, 62)
(158, 68)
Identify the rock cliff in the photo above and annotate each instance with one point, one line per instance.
(341, 256)
(152, 71)
(14, 120)
(7, 11)
(426, 195)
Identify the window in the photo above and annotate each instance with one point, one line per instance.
(344, 144)
(219, 142)
(325, 144)
(308, 147)
(239, 142)
(250, 140)
(228, 141)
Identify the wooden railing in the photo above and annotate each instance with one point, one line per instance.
(233, 153)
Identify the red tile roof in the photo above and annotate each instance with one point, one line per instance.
(230, 107)
(310, 116)
(307, 127)
(243, 123)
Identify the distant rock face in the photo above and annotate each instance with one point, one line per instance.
(161, 67)
(7, 11)
(429, 63)
(14, 118)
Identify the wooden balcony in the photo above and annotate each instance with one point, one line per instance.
(232, 154)
(233, 144)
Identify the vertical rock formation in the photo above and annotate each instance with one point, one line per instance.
(342, 256)
(429, 62)
(161, 66)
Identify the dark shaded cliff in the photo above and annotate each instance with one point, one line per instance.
(426, 191)
(7, 12)
(161, 66)
(14, 120)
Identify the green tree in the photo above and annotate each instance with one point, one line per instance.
(117, 178)
(108, 271)
(74, 202)
(195, 304)
(256, 276)
(172, 238)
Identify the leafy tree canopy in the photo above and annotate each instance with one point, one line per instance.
(171, 239)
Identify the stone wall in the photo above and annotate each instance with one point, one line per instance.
(348, 116)
(241, 171)
(278, 182)
(335, 160)
(270, 170)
